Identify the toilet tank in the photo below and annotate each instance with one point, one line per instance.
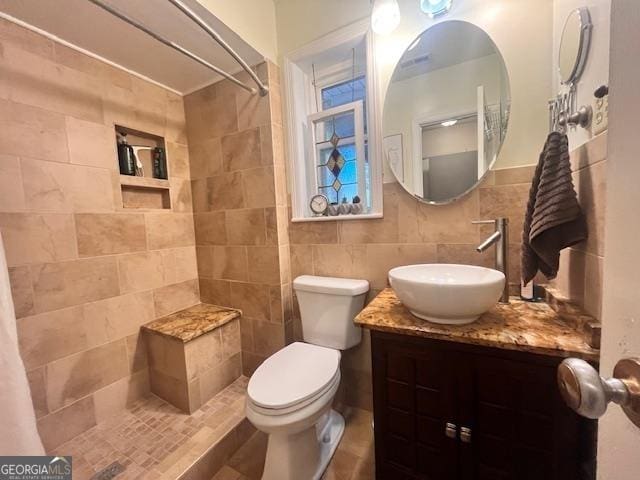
(328, 306)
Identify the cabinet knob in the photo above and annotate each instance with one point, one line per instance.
(465, 434)
(451, 430)
(586, 392)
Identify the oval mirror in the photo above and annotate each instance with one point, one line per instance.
(574, 45)
(446, 112)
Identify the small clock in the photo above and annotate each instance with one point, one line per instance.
(319, 204)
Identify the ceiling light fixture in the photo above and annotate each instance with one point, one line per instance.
(385, 16)
(435, 8)
(449, 123)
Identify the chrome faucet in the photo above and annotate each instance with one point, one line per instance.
(501, 239)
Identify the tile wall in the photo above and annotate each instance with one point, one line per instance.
(240, 209)
(580, 274)
(85, 273)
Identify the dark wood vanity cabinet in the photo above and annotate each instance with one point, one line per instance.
(446, 411)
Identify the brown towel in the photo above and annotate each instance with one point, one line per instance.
(553, 220)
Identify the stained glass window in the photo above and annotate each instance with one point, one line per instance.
(339, 152)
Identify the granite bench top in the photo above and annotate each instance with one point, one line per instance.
(523, 326)
(192, 322)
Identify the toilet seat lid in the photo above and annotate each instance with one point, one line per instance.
(292, 375)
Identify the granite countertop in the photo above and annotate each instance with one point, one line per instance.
(523, 326)
(192, 322)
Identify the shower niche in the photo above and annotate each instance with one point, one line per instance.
(143, 165)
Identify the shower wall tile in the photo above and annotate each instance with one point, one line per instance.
(181, 195)
(225, 192)
(142, 271)
(228, 263)
(106, 234)
(25, 39)
(21, 290)
(175, 297)
(265, 267)
(91, 144)
(241, 150)
(169, 230)
(246, 227)
(37, 385)
(74, 377)
(258, 187)
(210, 228)
(137, 353)
(178, 158)
(205, 158)
(11, 190)
(61, 426)
(53, 335)
(38, 81)
(59, 285)
(52, 186)
(36, 238)
(238, 181)
(119, 317)
(31, 132)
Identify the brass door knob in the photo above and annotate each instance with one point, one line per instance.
(586, 392)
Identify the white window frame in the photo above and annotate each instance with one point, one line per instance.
(300, 105)
(359, 137)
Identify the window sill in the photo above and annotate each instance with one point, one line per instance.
(363, 216)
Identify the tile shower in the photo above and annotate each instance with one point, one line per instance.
(86, 272)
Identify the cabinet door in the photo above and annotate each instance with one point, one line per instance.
(413, 402)
(519, 427)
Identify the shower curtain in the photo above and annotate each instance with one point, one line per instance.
(18, 432)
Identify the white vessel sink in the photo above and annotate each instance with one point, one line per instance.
(446, 293)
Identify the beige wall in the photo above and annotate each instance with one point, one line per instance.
(238, 181)
(253, 20)
(522, 31)
(581, 266)
(85, 273)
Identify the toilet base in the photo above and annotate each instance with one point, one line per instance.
(304, 455)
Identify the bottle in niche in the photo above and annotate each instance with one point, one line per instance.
(126, 156)
(159, 163)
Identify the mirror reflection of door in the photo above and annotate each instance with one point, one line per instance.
(449, 157)
(449, 94)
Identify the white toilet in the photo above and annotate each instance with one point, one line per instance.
(289, 396)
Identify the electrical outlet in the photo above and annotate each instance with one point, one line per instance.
(600, 121)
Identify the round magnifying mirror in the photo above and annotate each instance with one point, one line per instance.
(574, 45)
(446, 112)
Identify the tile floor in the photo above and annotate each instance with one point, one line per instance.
(153, 439)
(354, 459)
